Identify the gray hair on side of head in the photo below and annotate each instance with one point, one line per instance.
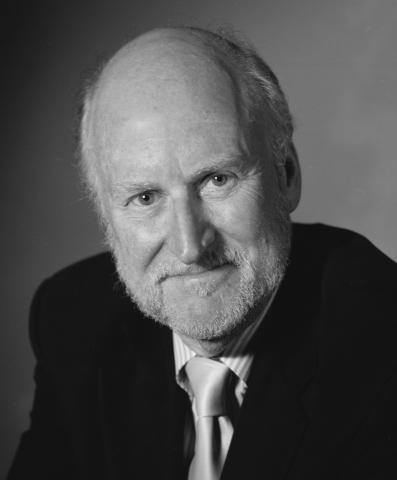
(89, 165)
(266, 103)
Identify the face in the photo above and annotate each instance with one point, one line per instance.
(196, 221)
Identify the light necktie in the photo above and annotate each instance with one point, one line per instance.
(209, 381)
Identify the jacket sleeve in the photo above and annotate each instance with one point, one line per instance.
(43, 451)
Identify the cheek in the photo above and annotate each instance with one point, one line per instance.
(244, 218)
(137, 242)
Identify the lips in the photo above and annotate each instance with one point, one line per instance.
(195, 271)
(207, 280)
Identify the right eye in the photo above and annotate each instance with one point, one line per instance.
(144, 199)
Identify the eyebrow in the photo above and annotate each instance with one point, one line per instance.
(236, 161)
(126, 188)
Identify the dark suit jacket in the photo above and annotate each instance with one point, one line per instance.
(322, 395)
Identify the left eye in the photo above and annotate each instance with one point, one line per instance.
(218, 185)
(219, 179)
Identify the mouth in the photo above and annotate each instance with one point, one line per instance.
(202, 277)
(196, 271)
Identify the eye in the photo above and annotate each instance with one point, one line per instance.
(217, 185)
(219, 179)
(144, 199)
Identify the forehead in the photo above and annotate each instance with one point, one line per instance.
(167, 152)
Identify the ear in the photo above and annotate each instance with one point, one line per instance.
(290, 178)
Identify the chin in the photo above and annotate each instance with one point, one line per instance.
(205, 317)
(205, 312)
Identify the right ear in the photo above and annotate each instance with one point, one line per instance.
(291, 181)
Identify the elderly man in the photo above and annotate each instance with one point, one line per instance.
(279, 360)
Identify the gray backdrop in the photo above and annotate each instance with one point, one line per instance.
(336, 60)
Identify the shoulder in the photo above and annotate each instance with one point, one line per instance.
(83, 279)
(346, 258)
(73, 310)
(358, 289)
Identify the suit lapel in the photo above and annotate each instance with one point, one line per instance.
(142, 408)
(354, 365)
(312, 382)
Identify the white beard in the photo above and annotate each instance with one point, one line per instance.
(229, 312)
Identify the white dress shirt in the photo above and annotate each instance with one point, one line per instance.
(235, 356)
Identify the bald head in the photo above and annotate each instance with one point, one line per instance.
(169, 69)
(162, 71)
(162, 57)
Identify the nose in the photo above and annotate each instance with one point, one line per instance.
(190, 234)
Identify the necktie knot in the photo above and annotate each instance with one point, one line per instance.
(208, 380)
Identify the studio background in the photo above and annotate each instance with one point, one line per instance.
(336, 61)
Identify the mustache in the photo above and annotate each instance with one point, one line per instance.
(209, 260)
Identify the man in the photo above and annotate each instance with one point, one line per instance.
(279, 360)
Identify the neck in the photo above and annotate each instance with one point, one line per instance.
(206, 348)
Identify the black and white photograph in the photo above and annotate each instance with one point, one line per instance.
(199, 209)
